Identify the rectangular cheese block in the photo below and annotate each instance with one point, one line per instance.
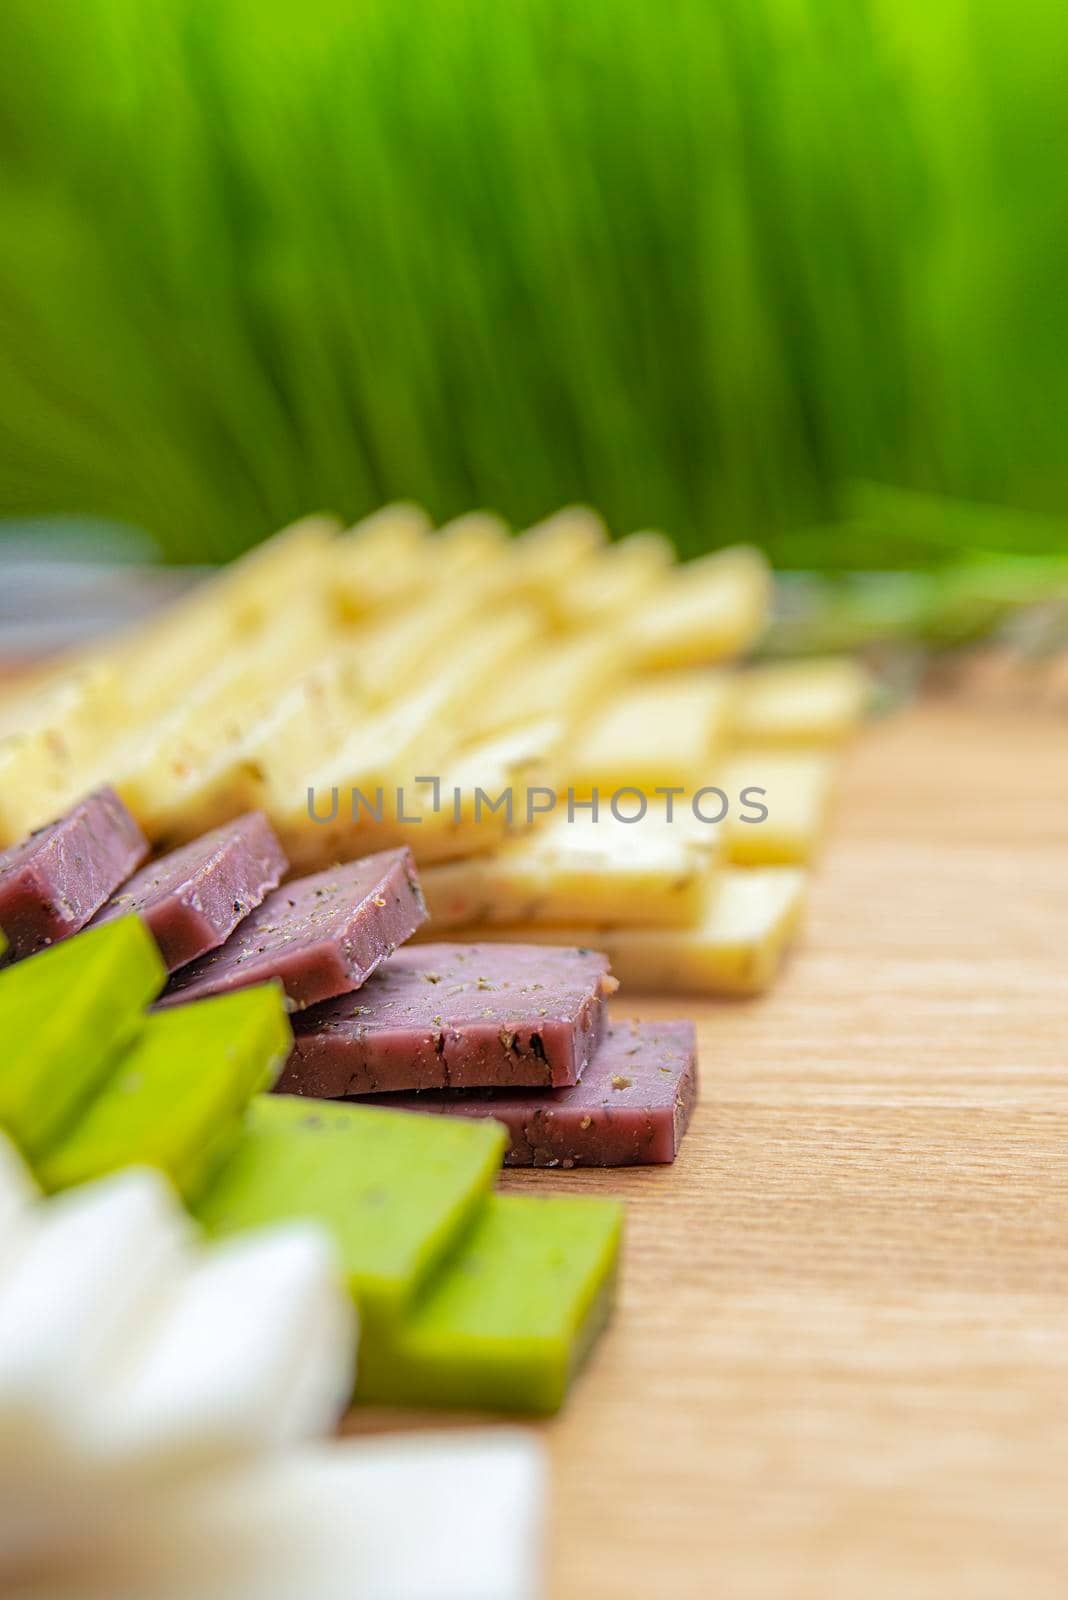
(655, 732)
(178, 1089)
(162, 750)
(319, 936)
(255, 588)
(194, 898)
(382, 560)
(750, 918)
(446, 1515)
(362, 792)
(546, 557)
(391, 1190)
(819, 702)
(794, 787)
(455, 1014)
(433, 646)
(463, 814)
(263, 757)
(554, 677)
(53, 882)
(50, 730)
(64, 1017)
(615, 582)
(702, 611)
(608, 872)
(510, 1317)
(631, 1108)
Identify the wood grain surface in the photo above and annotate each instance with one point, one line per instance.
(839, 1370)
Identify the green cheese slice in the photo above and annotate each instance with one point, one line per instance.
(175, 1099)
(65, 1015)
(510, 1316)
(395, 1189)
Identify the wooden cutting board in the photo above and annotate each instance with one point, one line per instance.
(840, 1365)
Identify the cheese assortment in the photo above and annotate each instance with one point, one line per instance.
(746, 925)
(346, 741)
(455, 691)
(181, 1089)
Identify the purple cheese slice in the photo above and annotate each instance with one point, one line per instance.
(53, 882)
(456, 1015)
(320, 936)
(631, 1108)
(194, 898)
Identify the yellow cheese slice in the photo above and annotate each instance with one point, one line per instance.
(801, 702)
(651, 733)
(564, 871)
(381, 560)
(616, 582)
(797, 788)
(750, 918)
(702, 611)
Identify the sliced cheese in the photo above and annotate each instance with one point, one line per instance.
(801, 702)
(702, 611)
(656, 732)
(793, 787)
(751, 916)
(605, 871)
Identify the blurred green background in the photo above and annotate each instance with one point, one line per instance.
(791, 270)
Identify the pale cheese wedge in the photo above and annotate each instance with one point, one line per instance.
(157, 660)
(93, 1275)
(425, 1516)
(485, 792)
(381, 561)
(401, 653)
(613, 585)
(467, 544)
(795, 789)
(703, 611)
(801, 702)
(751, 916)
(607, 871)
(655, 732)
(18, 1196)
(49, 735)
(145, 767)
(559, 678)
(263, 762)
(254, 1349)
(548, 556)
(260, 584)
